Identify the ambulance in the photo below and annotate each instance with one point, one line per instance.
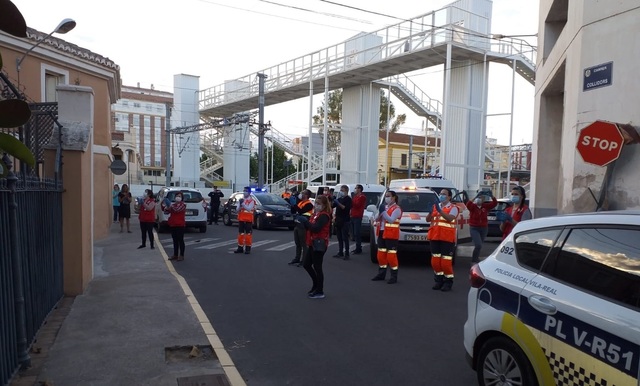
(416, 197)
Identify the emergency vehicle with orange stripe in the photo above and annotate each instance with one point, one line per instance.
(416, 197)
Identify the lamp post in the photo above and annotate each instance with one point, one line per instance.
(63, 27)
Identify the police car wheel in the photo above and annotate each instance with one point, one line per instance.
(502, 362)
(226, 219)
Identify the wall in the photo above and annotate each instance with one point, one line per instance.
(562, 181)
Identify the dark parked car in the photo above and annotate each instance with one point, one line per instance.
(271, 211)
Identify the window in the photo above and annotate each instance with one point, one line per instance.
(51, 82)
(533, 247)
(403, 160)
(604, 261)
(122, 122)
(148, 107)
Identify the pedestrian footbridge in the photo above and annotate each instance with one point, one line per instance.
(451, 36)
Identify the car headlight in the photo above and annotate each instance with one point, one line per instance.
(269, 214)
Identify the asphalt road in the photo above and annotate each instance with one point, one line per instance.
(362, 333)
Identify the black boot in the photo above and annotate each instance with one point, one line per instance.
(294, 261)
(247, 250)
(394, 277)
(439, 282)
(239, 250)
(446, 286)
(382, 272)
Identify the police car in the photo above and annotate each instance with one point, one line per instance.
(416, 197)
(558, 303)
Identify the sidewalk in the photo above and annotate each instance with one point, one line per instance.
(136, 324)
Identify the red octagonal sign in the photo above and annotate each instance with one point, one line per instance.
(600, 143)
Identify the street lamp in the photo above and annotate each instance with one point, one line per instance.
(515, 38)
(63, 27)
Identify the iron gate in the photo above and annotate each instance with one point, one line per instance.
(30, 239)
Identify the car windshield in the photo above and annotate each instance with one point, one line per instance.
(270, 199)
(372, 198)
(188, 195)
(416, 201)
(501, 206)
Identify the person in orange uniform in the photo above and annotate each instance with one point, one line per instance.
(317, 239)
(246, 207)
(303, 208)
(286, 195)
(442, 240)
(388, 231)
(519, 211)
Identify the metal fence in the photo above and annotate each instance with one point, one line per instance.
(31, 269)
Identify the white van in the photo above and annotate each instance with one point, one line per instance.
(416, 197)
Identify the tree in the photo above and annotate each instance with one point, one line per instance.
(334, 117)
(279, 167)
(13, 112)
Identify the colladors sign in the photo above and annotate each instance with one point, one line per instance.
(598, 76)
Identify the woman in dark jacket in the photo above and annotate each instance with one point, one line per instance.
(317, 241)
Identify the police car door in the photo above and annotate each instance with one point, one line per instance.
(583, 309)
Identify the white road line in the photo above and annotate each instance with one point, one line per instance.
(292, 244)
(216, 245)
(282, 247)
(167, 241)
(259, 243)
(202, 240)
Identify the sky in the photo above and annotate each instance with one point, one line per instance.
(219, 40)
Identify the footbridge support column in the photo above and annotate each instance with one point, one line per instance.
(359, 146)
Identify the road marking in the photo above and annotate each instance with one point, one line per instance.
(216, 245)
(258, 243)
(168, 241)
(202, 240)
(282, 247)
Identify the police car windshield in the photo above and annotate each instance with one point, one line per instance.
(416, 201)
(270, 199)
(188, 196)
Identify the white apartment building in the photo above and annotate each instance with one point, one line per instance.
(138, 134)
(586, 71)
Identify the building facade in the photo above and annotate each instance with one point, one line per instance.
(586, 71)
(138, 134)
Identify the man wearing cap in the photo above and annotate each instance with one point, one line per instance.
(303, 208)
(246, 207)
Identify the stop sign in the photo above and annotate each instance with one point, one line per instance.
(600, 143)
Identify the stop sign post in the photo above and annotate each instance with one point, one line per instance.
(600, 143)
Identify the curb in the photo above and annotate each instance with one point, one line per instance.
(226, 362)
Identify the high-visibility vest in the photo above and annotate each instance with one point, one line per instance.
(301, 205)
(324, 232)
(243, 214)
(440, 228)
(391, 229)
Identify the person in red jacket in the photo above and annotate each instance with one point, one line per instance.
(147, 217)
(317, 240)
(388, 231)
(177, 224)
(358, 203)
(479, 207)
(519, 211)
